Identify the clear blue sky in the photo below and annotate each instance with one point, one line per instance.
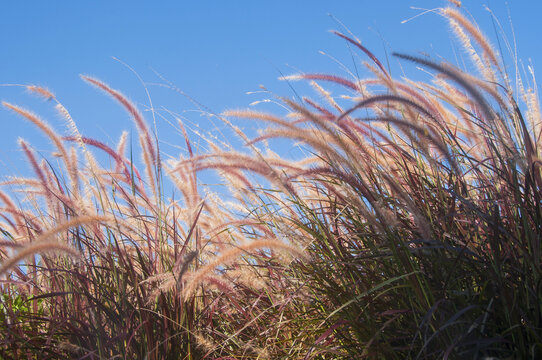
(215, 51)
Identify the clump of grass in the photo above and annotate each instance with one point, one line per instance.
(130, 286)
(424, 212)
(411, 230)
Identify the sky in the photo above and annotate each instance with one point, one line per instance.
(215, 52)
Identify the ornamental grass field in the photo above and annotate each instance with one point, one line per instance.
(410, 229)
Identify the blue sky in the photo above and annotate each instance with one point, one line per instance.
(215, 51)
